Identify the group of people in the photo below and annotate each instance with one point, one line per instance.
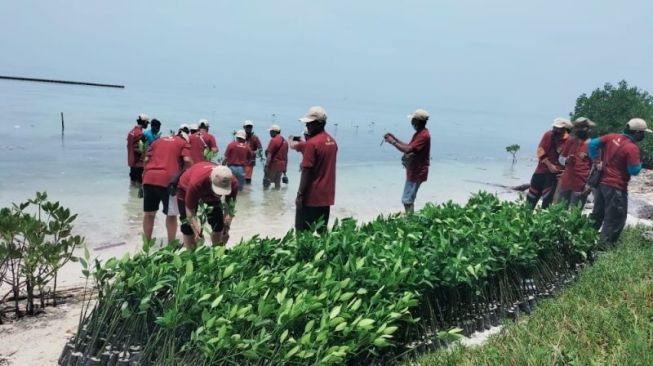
(178, 174)
(571, 165)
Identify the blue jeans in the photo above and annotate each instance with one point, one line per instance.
(410, 192)
(239, 172)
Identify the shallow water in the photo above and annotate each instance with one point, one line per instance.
(85, 169)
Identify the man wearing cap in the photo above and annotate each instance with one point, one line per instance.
(184, 131)
(237, 156)
(202, 144)
(545, 178)
(154, 132)
(164, 159)
(416, 157)
(317, 185)
(255, 145)
(617, 156)
(206, 182)
(276, 158)
(577, 164)
(134, 156)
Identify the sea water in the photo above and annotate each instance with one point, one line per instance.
(85, 165)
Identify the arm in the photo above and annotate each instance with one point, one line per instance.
(187, 162)
(593, 148)
(400, 145)
(307, 173)
(634, 164)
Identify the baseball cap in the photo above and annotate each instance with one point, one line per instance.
(248, 123)
(203, 122)
(275, 128)
(240, 134)
(562, 123)
(638, 124)
(315, 113)
(419, 114)
(184, 125)
(143, 117)
(584, 122)
(194, 127)
(221, 180)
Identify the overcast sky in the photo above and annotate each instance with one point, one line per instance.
(477, 54)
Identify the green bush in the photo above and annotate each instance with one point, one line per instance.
(360, 293)
(35, 242)
(611, 107)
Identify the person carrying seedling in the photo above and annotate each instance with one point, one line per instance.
(134, 156)
(164, 159)
(256, 147)
(237, 156)
(206, 183)
(572, 188)
(617, 156)
(202, 144)
(154, 132)
(545, 178)
(317, 185)
(276, 159)
(416, 158)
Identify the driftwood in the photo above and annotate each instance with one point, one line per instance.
(519, 188)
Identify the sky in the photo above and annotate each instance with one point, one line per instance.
(512, 56)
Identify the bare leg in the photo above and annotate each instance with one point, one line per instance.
(216, 239)
(189, 242)
(171, 226)
(148, 224)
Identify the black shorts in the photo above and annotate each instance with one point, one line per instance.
(306, 217)
(153, 196)
(216, 218)
(136, 174)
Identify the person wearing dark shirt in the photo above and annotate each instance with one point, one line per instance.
(134, 155)
(572, 189)
(276, 159)
(317, 185)
(416, 157)
(255, 145)
(545, 178)
(618, 157)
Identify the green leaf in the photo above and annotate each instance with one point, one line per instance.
(216, 302)
(228, 271)
(189, 267)
(334, 312)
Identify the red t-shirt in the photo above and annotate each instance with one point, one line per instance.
(617, 153)
(299, 146)
(198, 142)
(195, 186)
(164, 160)
(420, 144)
(577, 166)
(238, 153)
(278, 151)
(550, 148)
(133, 156)
(320, 156)
(254, 142)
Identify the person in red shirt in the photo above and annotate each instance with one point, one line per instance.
(134, 157)
(164, 159)
(206, 182)
(317, 185)
(203, 146)
(237, 156)
(276, 158)
(544, 180)
(416, 157)
(617, 156)
(254, 145)
(577, 164)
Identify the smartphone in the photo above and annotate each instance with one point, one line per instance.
(296, 138)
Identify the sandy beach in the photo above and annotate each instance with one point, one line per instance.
(39, 340)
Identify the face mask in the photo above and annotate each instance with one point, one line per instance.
(582, 134)
(639, 137)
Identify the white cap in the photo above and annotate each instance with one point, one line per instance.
(184, 125)
(275, 128)
(240, 134)
(315, 113)
(561, 122)
(419, 114)
(143, 117)
(194, 126)
(638, 124)
(203, 122)
(248, 123)
(221, 180)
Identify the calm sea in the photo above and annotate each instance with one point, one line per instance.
(85, 168)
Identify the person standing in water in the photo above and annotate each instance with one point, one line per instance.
(202, 144)
(416, 158)
(237, 156)
(154, 132)
(134, 155)
(276, 158)
(255, 145)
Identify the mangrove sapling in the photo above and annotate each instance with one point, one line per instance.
(513, 149)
